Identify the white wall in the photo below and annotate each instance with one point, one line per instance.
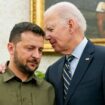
(12, 12)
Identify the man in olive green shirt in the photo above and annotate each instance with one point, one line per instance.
(19, 85)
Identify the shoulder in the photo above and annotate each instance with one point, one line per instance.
(53, 69)
(46, 90)
(100, 53)
(58, 62)
(1, 77)
(92, 48)
(100, 48)
(97, 51)
(45, 87)
(2, 81)
(43, 84)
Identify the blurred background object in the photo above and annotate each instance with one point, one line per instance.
(100, 14)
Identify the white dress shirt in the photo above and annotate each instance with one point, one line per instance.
(77, 54)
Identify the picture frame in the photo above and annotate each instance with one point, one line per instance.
(37, 8)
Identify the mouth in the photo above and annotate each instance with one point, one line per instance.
(33, 64)
(53, 43)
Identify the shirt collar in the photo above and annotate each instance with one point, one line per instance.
(79, 49)
(9, 75)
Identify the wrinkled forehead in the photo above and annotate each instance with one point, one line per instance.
(51, 20)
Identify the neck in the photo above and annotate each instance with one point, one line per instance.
(17, 72)
(73, 45)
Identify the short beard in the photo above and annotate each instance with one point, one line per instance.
(23, 68)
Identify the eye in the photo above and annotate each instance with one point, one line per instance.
(41, 50)
(50, 29)
(29, 48)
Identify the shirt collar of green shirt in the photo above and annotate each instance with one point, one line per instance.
(9, 75)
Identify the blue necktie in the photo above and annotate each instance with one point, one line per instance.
(67, 76)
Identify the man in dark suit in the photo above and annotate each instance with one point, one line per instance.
(65, 28)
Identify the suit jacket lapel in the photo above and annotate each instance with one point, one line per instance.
(81, 69)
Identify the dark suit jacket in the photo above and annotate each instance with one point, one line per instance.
(88, 83)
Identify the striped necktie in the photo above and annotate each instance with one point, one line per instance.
(67, 76)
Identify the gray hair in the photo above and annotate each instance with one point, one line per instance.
(68, 10)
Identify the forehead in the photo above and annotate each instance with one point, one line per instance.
(51, 20)
(31, 39)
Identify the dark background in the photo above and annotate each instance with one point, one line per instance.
(88, 8)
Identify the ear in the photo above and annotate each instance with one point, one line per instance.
(11, 48)
(71, 24)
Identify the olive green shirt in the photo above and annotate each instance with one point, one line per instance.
(34, 91)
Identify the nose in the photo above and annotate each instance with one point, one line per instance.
(36, 54)
(47, 35)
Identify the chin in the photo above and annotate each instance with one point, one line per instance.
(57, 50)
(33, 68)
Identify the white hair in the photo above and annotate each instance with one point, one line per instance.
(68, 10)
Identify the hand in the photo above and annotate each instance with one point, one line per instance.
(2, 68)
